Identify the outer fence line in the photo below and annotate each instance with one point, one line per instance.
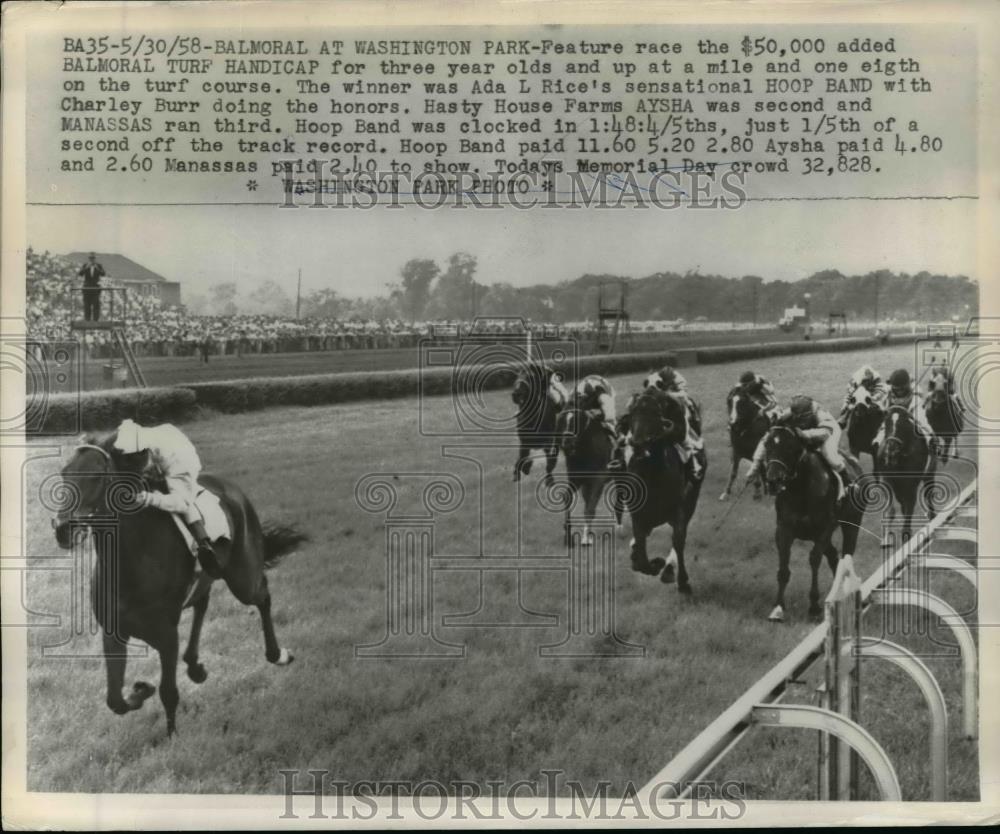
(700, 755)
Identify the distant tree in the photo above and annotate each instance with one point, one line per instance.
(196, 303)
(500, 300)
(324, 303)
(414, 292)
(222, 298)
(749, 298)
(270, 299)
(452, 297)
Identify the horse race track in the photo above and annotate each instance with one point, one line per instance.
(503, 712)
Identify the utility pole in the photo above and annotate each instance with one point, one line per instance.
(298, 296)
(876, 298)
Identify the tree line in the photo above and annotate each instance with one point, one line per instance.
(426, 291)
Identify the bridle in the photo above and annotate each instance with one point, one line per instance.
(108, 465)
(666, 424)
(103, 452)
(738, 394)
(788, 471)
(893, 444)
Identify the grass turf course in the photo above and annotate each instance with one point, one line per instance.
(503, 712)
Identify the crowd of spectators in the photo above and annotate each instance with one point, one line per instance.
(54, 302)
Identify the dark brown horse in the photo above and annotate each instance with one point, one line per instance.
(670, 493)
(807, 509)
(747, 425)
(144, 572)
(864, 416)
(905, 465)
(587, 447)
(536, 419)
(944, 415)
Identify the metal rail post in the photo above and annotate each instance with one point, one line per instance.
(944, 561)
(966, 645)
(905, 659)
(842, 680)
(816, 718)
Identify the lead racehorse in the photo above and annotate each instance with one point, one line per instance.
(144, 573)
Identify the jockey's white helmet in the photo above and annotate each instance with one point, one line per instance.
(127, 440)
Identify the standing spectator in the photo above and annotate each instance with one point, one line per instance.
(92, 273)
(205, 345)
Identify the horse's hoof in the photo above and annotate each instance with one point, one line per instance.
(549, 480)
(668, 575)
(141, 691)
(284, 657)
(685, 589)
(815, 615)
(197, 673)
(650, 568)
(777, 614)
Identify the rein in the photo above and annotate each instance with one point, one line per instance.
(91, 446)
(790, 470)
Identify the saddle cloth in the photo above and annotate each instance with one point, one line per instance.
(216, 521)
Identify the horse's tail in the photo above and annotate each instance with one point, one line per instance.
(279, 541)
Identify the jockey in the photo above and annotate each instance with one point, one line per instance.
(761, 391)
(672, 382)
(870, 379)
(903, 393)
(177, 458)
(943, 373)
(817, 427)
(595, 394)
(554, 388)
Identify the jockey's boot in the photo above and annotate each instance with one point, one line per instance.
(847, 474)
(207, 557)
(852, 468)
(689, 454)
(932, 448)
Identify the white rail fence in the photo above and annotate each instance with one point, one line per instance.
(840, 643)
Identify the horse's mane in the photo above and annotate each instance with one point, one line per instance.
(666, 403)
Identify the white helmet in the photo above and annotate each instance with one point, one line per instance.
(127, 440)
